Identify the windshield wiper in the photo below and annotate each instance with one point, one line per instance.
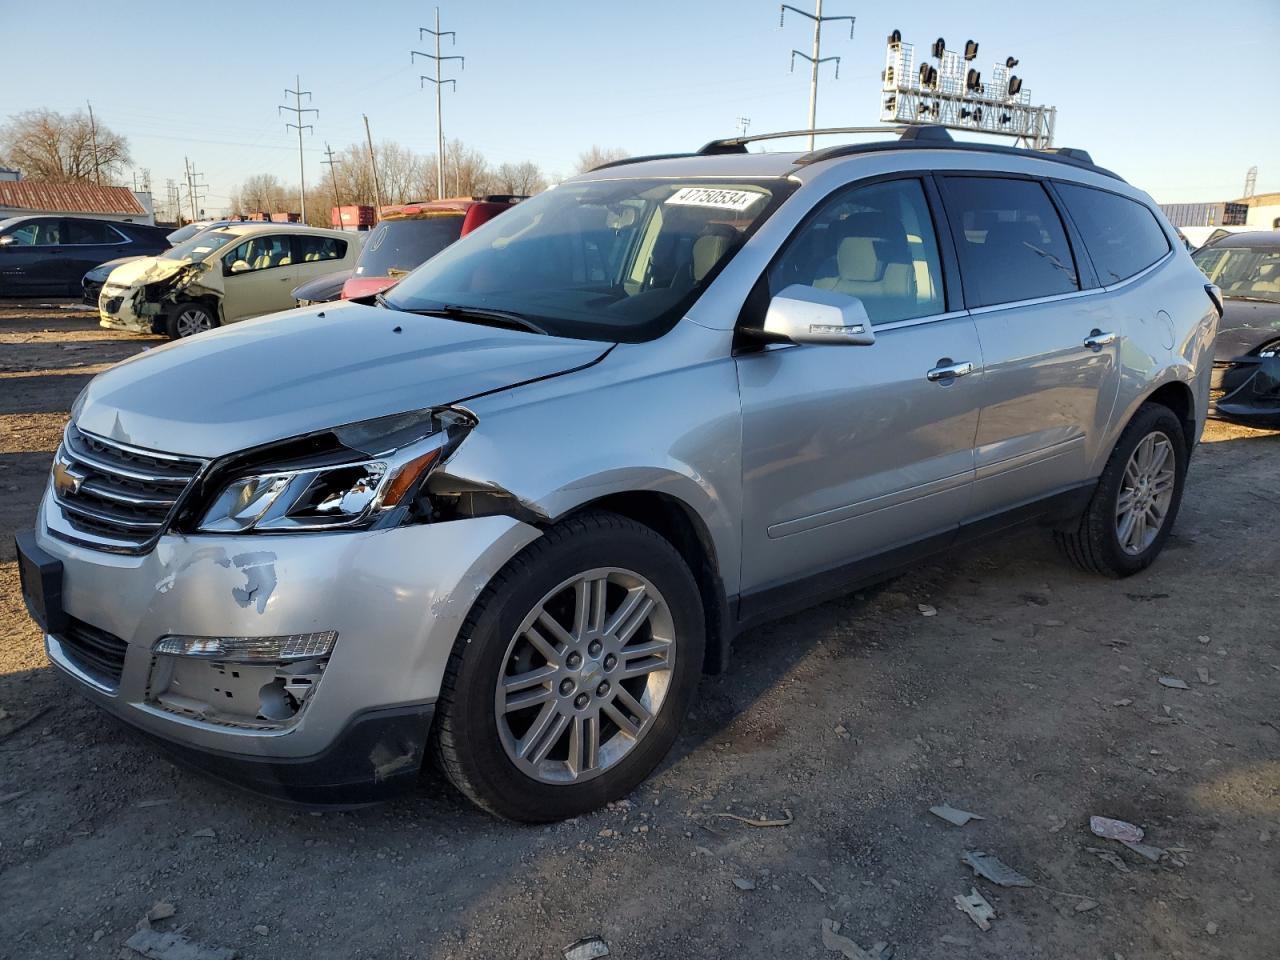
(483, 315)
(1240, 296)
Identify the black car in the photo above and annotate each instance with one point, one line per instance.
(48, 256)
(323, 289)
(1246, 368)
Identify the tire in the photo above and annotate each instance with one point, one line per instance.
(481, 732)
(188, 319)
(1094, 542)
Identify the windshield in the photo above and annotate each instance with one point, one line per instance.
(183, 234)
(1242, 272)
(199, 246)
(615, 260)
(397, 246)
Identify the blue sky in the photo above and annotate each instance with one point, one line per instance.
(1141, 84)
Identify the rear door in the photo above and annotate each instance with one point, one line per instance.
(87, 243)
(316, 255)
(851, 452)
(1050, 340)
(258, 277)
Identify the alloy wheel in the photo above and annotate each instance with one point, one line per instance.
(585, 675)
(192, 321)
(1146, 493)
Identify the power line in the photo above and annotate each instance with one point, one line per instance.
(337, 200)
(817, 59)
(298, 110)
(453, 37)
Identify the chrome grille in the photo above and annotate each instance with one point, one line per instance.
(117, 493)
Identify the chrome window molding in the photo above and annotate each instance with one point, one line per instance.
(1141, 273)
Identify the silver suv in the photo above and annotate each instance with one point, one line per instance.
(510, 514)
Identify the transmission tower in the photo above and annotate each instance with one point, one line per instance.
(817, 59)
(439, 82)
(1250, 182)
(298, 110)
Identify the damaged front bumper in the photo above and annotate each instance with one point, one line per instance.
(118, 309)
(1247, 390)
(363, 623)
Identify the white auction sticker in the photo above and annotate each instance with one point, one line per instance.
(713, 197)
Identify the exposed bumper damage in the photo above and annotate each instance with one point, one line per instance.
(135, 302)
(1247, 390)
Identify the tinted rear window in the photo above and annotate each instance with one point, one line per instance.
(397, 246)
(1012, 243)
(1122, 235)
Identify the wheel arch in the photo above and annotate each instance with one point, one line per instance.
(1176, 396)
(679, 524)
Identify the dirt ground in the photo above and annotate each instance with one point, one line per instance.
(1030, 698)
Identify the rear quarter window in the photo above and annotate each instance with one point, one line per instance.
(1121, 235)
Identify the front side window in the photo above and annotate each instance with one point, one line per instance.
(89, 233)
(257, 253)
(36, 233)
(1242, 273)
(1121, 235)
(873, 242)
(614, 260)
(398, 246)
(308, 249)
(1011, 241)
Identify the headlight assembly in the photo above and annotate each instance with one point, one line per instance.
(372, 469)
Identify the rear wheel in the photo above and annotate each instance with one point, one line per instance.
(1136, 502)
(188, 319)
(570, 679)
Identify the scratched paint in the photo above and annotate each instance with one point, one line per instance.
(259, 569)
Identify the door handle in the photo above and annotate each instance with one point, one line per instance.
(946, 371)
(1096, 339)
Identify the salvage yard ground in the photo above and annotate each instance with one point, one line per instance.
(998, 680)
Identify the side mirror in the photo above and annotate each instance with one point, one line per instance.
(5, 241)
(240, 266)
(802, 314)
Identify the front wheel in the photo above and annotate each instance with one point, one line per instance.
(188, 319)
(569, 681)
(1136, 501)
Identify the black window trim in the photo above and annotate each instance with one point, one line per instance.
(1172, 242)
(123, 237)
(952, 301)
(295, 247)
(1076, 247)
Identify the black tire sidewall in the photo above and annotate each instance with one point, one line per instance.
(171, 321)
(502, 786)
(1102, 527)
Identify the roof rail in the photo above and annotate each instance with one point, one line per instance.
(651, 156)
(910, 132)
(1069, 156)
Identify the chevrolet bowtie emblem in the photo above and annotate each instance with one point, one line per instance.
(65, 479)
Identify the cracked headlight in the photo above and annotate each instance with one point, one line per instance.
(295, 497)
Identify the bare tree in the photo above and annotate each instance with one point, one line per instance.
(590, 159)
(519, 178)
(59, 148)
(262, 193)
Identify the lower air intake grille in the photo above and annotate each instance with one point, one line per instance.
(96, 652)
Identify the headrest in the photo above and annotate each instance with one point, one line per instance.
(707, 252)
(856, 260)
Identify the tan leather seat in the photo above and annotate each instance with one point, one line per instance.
(860, 273)
(707, 252)
(1268, 279)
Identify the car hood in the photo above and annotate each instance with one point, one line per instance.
(103, 270)
(309, 369)
(1245, 326)
(143, 270)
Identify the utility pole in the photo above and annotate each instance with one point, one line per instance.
(193, 188)
(93, 136)
(373, 164)
(453, 37)
(817, 59)
(337, 201)
(743, 123)
(298, 110)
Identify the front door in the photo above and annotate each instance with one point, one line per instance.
(850, 452)
(258, 277)
(87, 243)
(32, 259)
(1050, 348)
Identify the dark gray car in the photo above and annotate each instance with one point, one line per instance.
(49, 255)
